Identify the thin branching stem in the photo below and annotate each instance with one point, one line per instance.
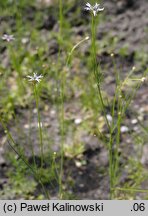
(22, 157)
(97, 76)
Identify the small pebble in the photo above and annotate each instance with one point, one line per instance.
(134, 121)
(124, 129)
(34, 110)
(78, 121)
(25, 40)
(52, 112)
(26, 126)
(136, 128)
(78, 163)
(109, 117)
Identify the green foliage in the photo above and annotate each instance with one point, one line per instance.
(19, 184)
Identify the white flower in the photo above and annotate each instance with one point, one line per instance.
(94, 9)
(8, 38)
(134, 121)
(35, 78)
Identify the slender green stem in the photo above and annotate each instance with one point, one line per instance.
(114, 158)
(111, 165)
(132, 189)
(62, 102)
(16, 64)
(62, 129)
(30, 141)
(68, 61)
(32, 170)
(22, 157)
(96, 68)
(39, 123)
(61, 16)
(97, 76)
